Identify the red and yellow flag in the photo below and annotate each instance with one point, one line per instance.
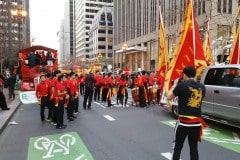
(235, 53)
(163, 60)
(207, 47)
(189, 51)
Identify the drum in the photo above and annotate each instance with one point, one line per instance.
(135, 94)
(115, 90)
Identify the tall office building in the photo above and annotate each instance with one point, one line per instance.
(101, 38)
(84, 14)
(67, 33)
(136, 32)
(14, 30)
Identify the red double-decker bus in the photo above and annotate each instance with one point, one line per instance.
(33, 62)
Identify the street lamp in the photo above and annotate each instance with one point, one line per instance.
(124, 49)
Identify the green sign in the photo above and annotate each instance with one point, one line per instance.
(67, 146)
(220, 136)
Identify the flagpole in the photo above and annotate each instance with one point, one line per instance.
(238, 46)
(193, 32)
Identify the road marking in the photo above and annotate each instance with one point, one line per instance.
(167, 155)
(80, 157)
(236, 137)
(217, 135)
(58, 146)
(100, 104)
(109, 118)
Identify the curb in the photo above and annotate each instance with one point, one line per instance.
(5, 116)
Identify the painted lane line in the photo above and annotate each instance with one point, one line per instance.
(80, 157)
(100, 104)
(236, 137)
(109, 118)
(167, 155)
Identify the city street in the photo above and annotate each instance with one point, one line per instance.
(104, 133)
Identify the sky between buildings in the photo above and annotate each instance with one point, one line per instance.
(45, 20)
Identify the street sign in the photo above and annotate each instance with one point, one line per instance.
(220, 136)
(66, 146)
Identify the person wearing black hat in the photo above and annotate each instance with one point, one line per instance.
(190, 94)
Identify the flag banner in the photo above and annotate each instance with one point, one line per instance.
(163, 60)
(235, 52)
(189, 51)
(207, 47)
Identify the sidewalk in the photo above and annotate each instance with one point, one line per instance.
(5, 116)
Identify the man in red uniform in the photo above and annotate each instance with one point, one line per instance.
(97, 86)
(42, 95)
(109, 88)
(60, 93)
(53, 83)
(70, 85)
(123, 90)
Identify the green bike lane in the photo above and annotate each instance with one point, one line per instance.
(67, 146)
(220, 136)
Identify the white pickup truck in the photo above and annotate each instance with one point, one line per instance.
(222, 100)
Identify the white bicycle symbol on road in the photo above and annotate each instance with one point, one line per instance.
(54, 146)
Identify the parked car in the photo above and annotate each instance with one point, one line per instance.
(222, 99)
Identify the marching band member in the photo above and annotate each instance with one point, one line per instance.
(42, 95)
(123, 90)
(60, 93)
(97, 86)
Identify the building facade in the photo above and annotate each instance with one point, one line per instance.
(136, 24)
(14, 31)
(67, 33)
(85, 11)
(101, 38)
(222, 15)
(136, 34)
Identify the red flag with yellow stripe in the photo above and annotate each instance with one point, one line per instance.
(189, 51)
(207, 47)
(163, 60)
(235, 53)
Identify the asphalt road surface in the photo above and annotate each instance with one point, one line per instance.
(104, 133)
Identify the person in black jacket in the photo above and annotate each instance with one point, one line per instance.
(3, 104)
(89, 87)
(190, 94)
(11, 85)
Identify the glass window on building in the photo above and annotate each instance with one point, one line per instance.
(230, 6)
(110, 32)
(219, 6)
(101, 39)
(101, 31)
(224, 6)
(101, 47)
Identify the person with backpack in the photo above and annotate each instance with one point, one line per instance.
(89, 88)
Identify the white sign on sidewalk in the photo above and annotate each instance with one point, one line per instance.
(28, 97)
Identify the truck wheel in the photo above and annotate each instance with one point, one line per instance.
(175, 111)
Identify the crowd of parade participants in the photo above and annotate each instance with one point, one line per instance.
(59, 92)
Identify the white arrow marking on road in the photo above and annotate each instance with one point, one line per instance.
(109, 118)
(167, 155)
